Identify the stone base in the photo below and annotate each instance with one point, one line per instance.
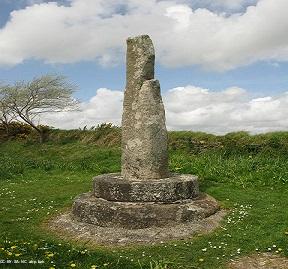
(113, 187)
(89, 209)
(67, 227)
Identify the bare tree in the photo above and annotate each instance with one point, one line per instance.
(6, 113)
(49, 93)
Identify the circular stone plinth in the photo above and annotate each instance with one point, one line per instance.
(87, 208)
(113, 187)
(67, 227)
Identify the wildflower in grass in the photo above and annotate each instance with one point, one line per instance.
(9, 253)
(286, 233)
(17, 254)
(201, 260)
(73, 265)
(13, 247)
(93, 266)
(50, 255)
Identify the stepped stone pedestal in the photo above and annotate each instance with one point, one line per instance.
(145, 194)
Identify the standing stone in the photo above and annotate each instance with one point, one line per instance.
(144, 194)
(144, 134)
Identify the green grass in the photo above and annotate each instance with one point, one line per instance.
(37, 181)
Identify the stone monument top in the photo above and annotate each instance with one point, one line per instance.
(144, 134)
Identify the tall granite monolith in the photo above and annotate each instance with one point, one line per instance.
(144, 134)
(144, 194)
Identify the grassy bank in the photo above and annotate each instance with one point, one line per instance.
(247, 174)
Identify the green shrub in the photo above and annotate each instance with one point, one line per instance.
(16, 130)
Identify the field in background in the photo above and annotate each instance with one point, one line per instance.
(247, 174)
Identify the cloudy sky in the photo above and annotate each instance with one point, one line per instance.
(222, 64)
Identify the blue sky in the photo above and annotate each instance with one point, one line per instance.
(200, 46)
(260, 79)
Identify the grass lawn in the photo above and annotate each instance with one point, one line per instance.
(37, 181)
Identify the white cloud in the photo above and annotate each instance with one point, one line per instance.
(188, 108)
(97, 29)
(105, 106)
(233, 109)
(222, 5)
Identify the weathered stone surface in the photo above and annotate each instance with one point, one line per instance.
(113, 187)
(144, 134)
(66, 226)
(145, 194)
(88, 208)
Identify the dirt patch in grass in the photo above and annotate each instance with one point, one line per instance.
(260, 261)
